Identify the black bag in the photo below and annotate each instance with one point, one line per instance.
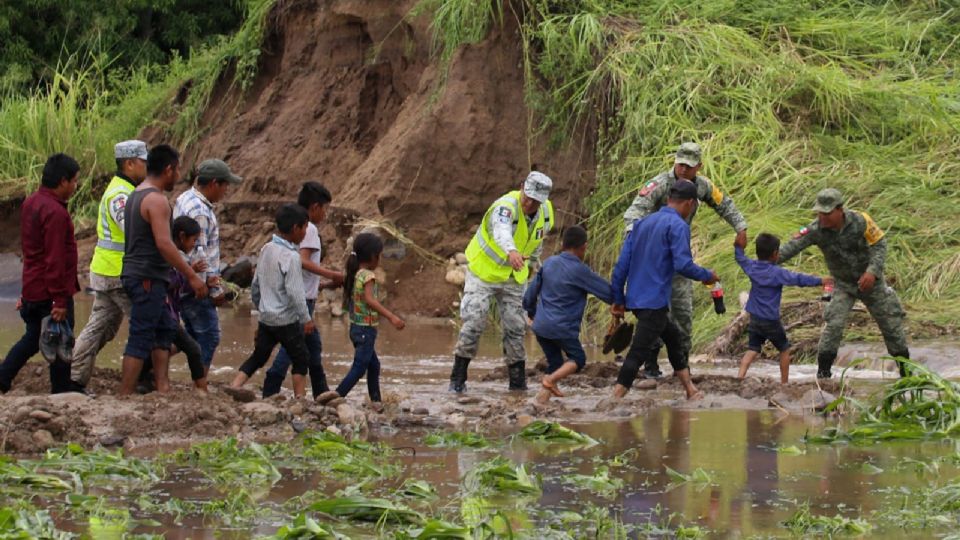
(618, 336)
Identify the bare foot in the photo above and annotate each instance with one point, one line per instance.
(551, 387)
(696, 396)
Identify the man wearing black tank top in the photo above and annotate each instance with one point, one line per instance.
(149, 252)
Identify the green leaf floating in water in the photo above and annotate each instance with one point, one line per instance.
(499, 474)
(600, 482)
(456, 439)
(367, 509)
(792, 450)
(698, 476)
(553, 432)
(306, 528)
(417, 489)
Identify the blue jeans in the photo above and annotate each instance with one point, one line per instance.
(151, 323)
(203, 325)
(553, 349)
(278, 370)
(364, 339)
(32, 314)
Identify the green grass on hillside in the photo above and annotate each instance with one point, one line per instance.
(88, 107)
(786, 98)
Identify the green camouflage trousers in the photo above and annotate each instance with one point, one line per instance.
(884, 306)
(681, 312)
(474, 308)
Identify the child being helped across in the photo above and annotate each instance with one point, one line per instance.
(185, 233)
(767, 281)
(278, 295)
(361, 300)
(555, 300)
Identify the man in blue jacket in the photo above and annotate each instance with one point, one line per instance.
(657, 248)
(555, 300)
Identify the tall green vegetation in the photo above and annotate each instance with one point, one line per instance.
(36, 35)
(90, 102)
(785, 98)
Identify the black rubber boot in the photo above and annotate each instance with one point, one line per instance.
(458, 376)
(518, 375)
(824, 363)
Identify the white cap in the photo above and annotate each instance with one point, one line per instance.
(537, 186)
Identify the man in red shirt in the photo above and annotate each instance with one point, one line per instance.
(49, 267)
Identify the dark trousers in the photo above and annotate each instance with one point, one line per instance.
(290, 336)
(278, 370)
(32, 314)
(190, 348)
(364, 339)
(554, 349)
(652, 325)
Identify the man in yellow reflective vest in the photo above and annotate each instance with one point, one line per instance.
(507, 244)
(111, 303)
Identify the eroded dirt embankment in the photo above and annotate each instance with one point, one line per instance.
(349, 94)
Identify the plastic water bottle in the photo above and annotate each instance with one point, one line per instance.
(717, 294)
(201, 255)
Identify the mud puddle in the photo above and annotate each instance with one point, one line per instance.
(754, 475)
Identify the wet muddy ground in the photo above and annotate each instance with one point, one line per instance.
(732, 434)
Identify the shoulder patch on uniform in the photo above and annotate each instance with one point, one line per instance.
(648, 188)
(503, 211)
(118, 204)
(872, 233)
(716, 194)
(801, 233)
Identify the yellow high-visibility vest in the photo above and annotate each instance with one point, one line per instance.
(490, 263)
(108, 254)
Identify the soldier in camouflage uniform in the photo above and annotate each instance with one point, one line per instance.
(506, 247)
(651, 198)
(855, 250)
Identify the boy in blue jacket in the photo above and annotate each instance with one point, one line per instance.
(767, 281)
(555, 300)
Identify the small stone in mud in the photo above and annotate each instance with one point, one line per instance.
(22, 414)
(43, 438)
(347, 414)
(333, 429)
(243, 395)
(523, 420)
(645, 384)
(455, 420)
(261, 413)
(296, 409)
(817, 399)
(336, 402)
(112, 439)
(468, 400)
(421, 411)
(41, 415)
(298, 426)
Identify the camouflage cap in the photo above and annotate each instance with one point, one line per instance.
(827, 200)
(689, 154)
(537, 186)
(217, 169)
(130, 149)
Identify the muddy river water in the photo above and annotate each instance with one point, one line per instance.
(747, 488)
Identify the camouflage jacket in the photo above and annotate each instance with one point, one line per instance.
(857, 248)
(653, 195)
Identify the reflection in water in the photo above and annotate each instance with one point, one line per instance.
(753, 488)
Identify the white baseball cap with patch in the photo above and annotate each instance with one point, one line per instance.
(537, 186)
